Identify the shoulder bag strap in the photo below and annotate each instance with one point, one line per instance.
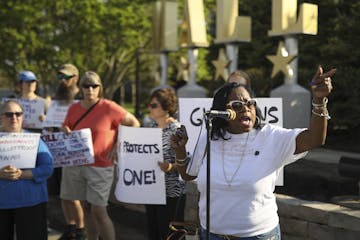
(84, 115)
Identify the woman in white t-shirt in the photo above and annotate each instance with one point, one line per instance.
(246, 158)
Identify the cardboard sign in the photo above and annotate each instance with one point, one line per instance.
(191, 113)
(33, 109)
(18, 149)
(73, 149)
(140, 178)
(56, 113)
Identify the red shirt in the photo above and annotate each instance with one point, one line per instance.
(103, 120)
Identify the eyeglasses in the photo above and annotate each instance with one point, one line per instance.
(93, 86)
(153, 105)
(11, 114)
(61, 76)
(237, 105)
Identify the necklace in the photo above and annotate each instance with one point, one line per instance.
(238, 167)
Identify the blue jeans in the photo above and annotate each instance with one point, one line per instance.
(274, 234)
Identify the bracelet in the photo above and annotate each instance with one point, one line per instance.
(324, 115)
(182, 162)
(169, 168)
(320, 105)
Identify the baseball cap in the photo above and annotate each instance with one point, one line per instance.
(27, 76)
(68, 69)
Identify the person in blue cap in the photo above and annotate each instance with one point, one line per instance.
(28, 92)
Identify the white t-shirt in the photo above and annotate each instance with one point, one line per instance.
(242, 202)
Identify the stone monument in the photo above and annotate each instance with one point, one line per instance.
(296, 99)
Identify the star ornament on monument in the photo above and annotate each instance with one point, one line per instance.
(221, 65)
(281, 61)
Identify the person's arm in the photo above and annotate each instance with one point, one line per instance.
(44, 165)
(315, 135)
(42, 170)
(178, 142)
(130, 120)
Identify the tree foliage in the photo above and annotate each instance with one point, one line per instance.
(94, 35)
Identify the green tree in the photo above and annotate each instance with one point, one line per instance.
(94, 35)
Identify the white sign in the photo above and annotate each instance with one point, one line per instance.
(56, 113)
(19, 149)
(191, 114)
(73, 149)
(140, 180)
(33, 109)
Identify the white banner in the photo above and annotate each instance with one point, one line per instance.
(18, 149)
(56, 113)
(191, 114)
(140, 179)
(73, 149)
(33, 109)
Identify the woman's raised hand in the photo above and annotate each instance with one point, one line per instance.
(321, 83)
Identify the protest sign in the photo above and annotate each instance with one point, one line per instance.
(140, 179)
(33, 109)
(191, 114)
(73, 149)
(18, 149)
(56, 113)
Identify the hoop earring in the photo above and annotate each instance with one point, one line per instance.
(257, 121)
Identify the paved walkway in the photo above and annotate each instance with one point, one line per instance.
(130, 224)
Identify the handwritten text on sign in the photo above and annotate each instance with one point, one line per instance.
(140, 179)
(191, 111)
(33, 109)
(56, 113)
(73, 149)
(18, 149)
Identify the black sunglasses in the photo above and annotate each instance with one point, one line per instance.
(61, 76)
(11, 114)
(153, 105)
(237, 105)
(93, 86)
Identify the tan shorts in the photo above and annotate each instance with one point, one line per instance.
(92, 184)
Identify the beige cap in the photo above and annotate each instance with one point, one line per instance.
(69, 69)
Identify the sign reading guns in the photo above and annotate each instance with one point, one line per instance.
(73, 149)
(191, 111)
(18, 149)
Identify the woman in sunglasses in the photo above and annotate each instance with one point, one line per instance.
(163, 108)
(23, 192)
(91, 184)
(246, 158)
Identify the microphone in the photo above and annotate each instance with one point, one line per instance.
(227, 115)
